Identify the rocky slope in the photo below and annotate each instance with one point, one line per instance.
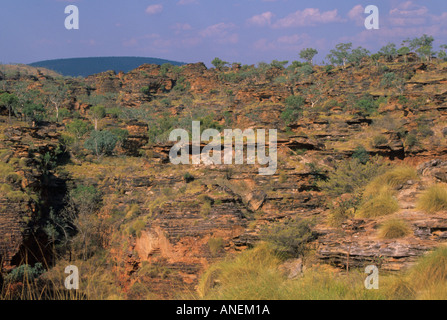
(229, 205)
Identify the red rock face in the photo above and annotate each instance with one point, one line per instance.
(233, 203)
(18, 213)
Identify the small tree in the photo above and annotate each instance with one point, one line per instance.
(389, 51)
(442, 54)
(10, 101)
(308, 54)
(340, 55)
(423, 46)
(78, 128)
(56, 96)
(404, 51)
(34, 112)
(315, 93)
(279, 64)
(218, 63)
(357, 55)
(97, 113)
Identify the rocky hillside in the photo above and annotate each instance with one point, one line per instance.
(163, 225)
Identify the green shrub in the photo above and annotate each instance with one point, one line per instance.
(289, 237)
(425, 131)
(361, 155)
(13, 178)
(205, 209)
(411, 140)
(293, 109)
(433, 199)
(101, 142)
(136, 228)
(188, 177)
(5, 188)
(379, 140)
(18, 196)
(78, 128)
(394, 229)
(25, 273)
(5, 170)
(368, 105)
(351, 176)
(342, 210)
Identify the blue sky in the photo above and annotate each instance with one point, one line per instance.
(246, 31)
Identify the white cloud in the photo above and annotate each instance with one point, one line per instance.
(221, 33)
(293, 39)
(216, 30)
(261, 20)
(179, 27)
(154, 9)
(308, 17)
(357, 14)
(408, 13)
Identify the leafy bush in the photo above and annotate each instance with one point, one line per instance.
(433, 199)
(78, 128)
(342, 210)
(17, 196)
(361, 155)
(290, 237)
(205, 209)
(101, 142)
(411, 140)
(368, 105)
(188, 177)
(85, 196)
(293, 109)
(425, 131)
(351, 175)
(25, 273)
(137, 227)
(394, 229)
(294, 102)
(388, 79)
(181, 85)
(379, 140)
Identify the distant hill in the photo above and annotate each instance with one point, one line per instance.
(87, 66)
(10, 70)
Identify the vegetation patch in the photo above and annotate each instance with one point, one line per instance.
(434, 199)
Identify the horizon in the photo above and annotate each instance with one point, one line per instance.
(191, 31)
